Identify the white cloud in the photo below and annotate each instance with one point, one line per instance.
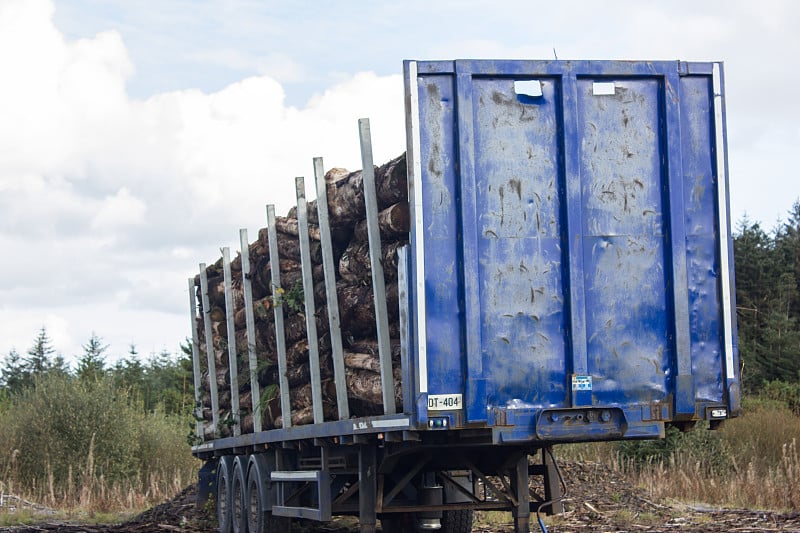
(121, 209)
(109, 202)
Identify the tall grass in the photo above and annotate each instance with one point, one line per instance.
(86, 446)
(752, 462)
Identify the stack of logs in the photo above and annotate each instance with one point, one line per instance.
(348, 228)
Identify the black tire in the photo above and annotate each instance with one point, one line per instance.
(224, 483)
(459, 521)
(258, 515)
(258, 500)
(238, 488)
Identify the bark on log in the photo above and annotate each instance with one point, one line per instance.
(393, 222)
(366, 386)
(346, 192)
(355, 265)
(370, 346)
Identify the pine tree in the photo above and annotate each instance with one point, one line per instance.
(754, 279)
(129, 372)
(91, 365)
(13, 375)
(39, 360)
(787, 247)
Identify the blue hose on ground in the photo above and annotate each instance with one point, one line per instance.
(541, 523)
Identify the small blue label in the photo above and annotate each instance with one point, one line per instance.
(581, 383)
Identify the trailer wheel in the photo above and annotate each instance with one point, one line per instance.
(224, 482)
(459, 521)
(258, 498)
(238, 503)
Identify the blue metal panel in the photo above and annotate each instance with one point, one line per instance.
(624, 249)
(519, 250)
(701, 236)
(444, 312)
(570, 239)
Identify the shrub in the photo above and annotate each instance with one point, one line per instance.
(707, 448)
(67, 437)
(783, 391)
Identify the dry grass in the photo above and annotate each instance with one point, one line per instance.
(753, 462)
(95, 495)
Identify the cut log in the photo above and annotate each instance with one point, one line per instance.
(290, 226)
(370, 346)
(393, 222)
(355, 266)
(366, 386)
(362, 361)
(346, 192)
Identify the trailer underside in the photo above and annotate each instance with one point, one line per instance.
(407, 485)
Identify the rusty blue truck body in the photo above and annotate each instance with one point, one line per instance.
(569, 277)
(571, 245)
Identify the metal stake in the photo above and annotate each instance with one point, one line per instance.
(308, 293)
(233, 365)
(247, 286)
(378, 282)
(330, 291)
(212, 367)
(277, 308)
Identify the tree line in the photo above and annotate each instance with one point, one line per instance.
(161, 381)
(767, 268)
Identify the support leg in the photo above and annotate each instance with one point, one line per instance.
(552, 486)
(367, 489)
(519, 484)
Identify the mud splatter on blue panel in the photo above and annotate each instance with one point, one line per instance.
(519, 242)
(701, 237)
(444, 343)
(622, 185)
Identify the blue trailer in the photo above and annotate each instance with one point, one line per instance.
(569, 278)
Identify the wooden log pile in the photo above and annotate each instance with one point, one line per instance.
(345, 194)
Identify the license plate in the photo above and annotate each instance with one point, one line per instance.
(445, 402)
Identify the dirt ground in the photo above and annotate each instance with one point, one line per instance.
(597, 500)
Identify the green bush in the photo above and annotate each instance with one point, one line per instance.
(785, 392)
(707, 448)
(66, 433)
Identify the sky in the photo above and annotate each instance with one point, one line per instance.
(136, 138)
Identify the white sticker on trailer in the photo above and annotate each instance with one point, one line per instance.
(445, 402)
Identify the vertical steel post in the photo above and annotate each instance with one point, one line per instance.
(277, 308)
(247, 288)
(519, 484)
(198, 406)
(405, 327)
(210, 356)
(233, 364)
(329, 268)
(308, 293)
(367, 489)
(552, 486)
(378, 281)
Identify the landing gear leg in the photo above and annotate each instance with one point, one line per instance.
(519, 484)
(552, 486)
(367, 490)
